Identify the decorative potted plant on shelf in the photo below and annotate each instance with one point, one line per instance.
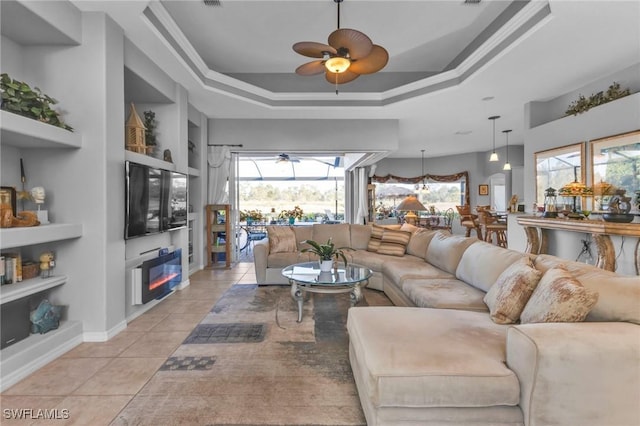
(326, 252)
(19, 98)
(150, 125)
(584, 104)
(292, 215)
(251, 216)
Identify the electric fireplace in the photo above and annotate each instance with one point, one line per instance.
(156, 278)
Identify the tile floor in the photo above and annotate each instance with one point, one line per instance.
(93, 382)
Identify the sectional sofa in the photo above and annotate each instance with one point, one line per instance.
(481, 335)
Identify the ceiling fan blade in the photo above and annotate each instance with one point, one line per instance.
(376, 60)
(311, 68)
(358, 43)
(342, 78)
(313, 49)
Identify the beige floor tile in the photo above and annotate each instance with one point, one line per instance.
(178, 322)
(122, 376)
(149, 319)
(89, 410)
(60, 377)
(21, 410)
(109, 349)
(155, 345)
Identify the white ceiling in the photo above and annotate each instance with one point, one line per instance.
(451, 65)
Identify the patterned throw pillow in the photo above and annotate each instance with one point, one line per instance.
(376, 238)
(394, 243)
(282, 239)
(508, 296)
(559, 297)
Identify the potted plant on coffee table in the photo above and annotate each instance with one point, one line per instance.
(326, 252)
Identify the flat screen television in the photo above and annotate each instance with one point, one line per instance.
(156, 200)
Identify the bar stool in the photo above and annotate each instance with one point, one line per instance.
(491, 226)
(469, 221)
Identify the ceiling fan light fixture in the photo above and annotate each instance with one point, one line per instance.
(337, 64)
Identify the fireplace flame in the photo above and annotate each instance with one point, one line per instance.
(160, 281)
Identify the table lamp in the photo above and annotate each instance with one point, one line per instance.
(411, 205)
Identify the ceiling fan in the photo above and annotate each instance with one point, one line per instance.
(349, 54)
(284, 158)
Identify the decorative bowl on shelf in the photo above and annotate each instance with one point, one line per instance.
(618, 217)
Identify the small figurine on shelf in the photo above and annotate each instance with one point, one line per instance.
(47, 263)
(38, 196)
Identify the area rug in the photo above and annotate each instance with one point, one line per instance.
(250, 363)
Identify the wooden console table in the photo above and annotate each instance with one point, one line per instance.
(535, 229)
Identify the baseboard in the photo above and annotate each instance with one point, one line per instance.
(103, 336)
(184, 284)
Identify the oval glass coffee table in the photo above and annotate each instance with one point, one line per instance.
(307, 277)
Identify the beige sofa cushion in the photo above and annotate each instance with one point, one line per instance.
(282, 239)
(360, 235)
(396, 271)
(377, 261)
(282, 260)
(302, 233)
(508, 296)
(419, 242)
(445, 251)
(444, 293)
(457, 361)
(619, 296)
(340, 233)
(558, 298)
(482, 263)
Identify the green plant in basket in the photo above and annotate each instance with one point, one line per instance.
(326, 251)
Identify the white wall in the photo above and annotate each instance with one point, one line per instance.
(306, 135)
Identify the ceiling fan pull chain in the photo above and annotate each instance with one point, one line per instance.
(337, 78)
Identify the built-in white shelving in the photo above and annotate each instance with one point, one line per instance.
(26, 356)
(194, 172)
(25, 132)
(26, 236)
(149, 161)
(15, 291)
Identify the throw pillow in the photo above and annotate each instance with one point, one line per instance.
(409, 227)
(394, 243)
(559, 297)
(510, 293)
(282, 239)
(376, 238)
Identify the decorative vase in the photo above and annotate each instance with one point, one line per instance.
(292, 220)
(326, 265)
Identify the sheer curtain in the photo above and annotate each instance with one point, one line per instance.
(361, 195)
(219, 160)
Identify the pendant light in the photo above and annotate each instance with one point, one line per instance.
(424, 188)
(494, 155)
(507, 165)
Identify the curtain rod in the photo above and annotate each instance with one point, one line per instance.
(239, 145)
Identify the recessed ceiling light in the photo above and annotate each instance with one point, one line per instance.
(463, 132)
(487, 98)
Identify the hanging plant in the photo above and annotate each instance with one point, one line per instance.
(583, 104)
(19, 98)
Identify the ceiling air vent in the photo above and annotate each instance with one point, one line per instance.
(465, 1)
(212, 2)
